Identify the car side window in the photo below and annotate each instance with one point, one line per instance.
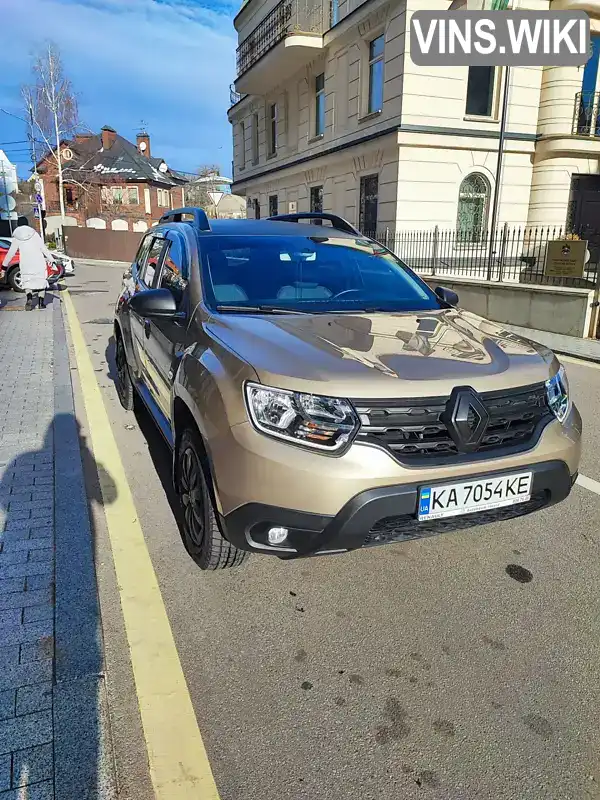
(175, 270)
(153, 262)
(140, 258)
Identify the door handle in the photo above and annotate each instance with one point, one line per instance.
(147, 328)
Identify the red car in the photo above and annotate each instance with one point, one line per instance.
(11, 275)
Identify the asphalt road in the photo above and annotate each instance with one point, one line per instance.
(408, 671)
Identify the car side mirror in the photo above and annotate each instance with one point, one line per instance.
(154, 303)
(447, 295)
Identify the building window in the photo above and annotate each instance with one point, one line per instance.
(320, 104)
(480, 91)
(369, 192)
(316, 198)
(375, 102)
(273, 205)
(242, 145)
(133, 196)
(164, 198)
(334, 12)
(255, 138)
(256, 208)
(273, 129)
(589, 97)
(69, 198)
(116, 193)
(473, 202)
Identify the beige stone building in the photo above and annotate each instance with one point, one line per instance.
(332, 113)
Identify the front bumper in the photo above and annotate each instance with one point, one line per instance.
(378, 516)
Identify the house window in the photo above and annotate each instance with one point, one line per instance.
(369, 191)
(242, 145)
(116, 194)
(320, 104)
(133, 196)
(69, 198)
(316, 198)
(473, 202)
(273, 205)
(164, 198)
(375, 102)
(255, 138)
(273, 129)
(480, 91)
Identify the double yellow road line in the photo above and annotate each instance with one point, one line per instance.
(179, 766)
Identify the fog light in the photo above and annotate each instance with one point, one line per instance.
(277, 535)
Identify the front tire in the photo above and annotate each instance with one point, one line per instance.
(123, 382)
(200, 530)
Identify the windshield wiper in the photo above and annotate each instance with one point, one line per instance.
(259, 310)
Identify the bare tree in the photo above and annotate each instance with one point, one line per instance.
(51, 106)
(197, 190)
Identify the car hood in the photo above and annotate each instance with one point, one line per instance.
(383, 355)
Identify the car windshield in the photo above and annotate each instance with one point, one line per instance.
(316, 274)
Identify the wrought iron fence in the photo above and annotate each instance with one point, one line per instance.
(585, 114)
(308, 16)
(512, 255)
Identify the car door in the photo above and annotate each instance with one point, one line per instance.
(144, 275)
(166, 338)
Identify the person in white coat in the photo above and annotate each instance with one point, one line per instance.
(33, 259)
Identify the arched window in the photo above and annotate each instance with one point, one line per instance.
(473, 202)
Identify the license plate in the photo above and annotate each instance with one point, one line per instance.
(453, 499)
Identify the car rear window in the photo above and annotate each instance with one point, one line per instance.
(313, 274)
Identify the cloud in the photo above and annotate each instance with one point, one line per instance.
(167, 62)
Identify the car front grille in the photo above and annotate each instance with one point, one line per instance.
(414, 431)
(405, 527)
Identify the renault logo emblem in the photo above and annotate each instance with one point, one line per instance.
(466, 419)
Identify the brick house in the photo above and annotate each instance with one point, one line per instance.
(109, 183)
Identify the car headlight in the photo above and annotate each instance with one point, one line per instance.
(557, 389)
(324, 423)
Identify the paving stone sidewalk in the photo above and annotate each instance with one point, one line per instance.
(54, 743)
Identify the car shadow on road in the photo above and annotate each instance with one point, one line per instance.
(162, 458)
(48, 548)
(109, 356)
(160, 453)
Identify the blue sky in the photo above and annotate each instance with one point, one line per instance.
(167, 62)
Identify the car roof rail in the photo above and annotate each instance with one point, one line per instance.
(337, 222)
(198, 215)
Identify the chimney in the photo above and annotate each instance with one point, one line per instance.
(82, 137)
(109, 136)
(143, 143)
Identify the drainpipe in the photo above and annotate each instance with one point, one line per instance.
(498, 185)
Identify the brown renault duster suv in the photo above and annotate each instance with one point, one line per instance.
(320, 397)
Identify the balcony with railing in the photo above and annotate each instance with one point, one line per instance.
(284, 40)
(234, 97)
(586, 121)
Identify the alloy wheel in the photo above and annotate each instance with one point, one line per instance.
(191, 492)
(122, 370)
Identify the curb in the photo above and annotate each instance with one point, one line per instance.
(585, 349)
(84, 764)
